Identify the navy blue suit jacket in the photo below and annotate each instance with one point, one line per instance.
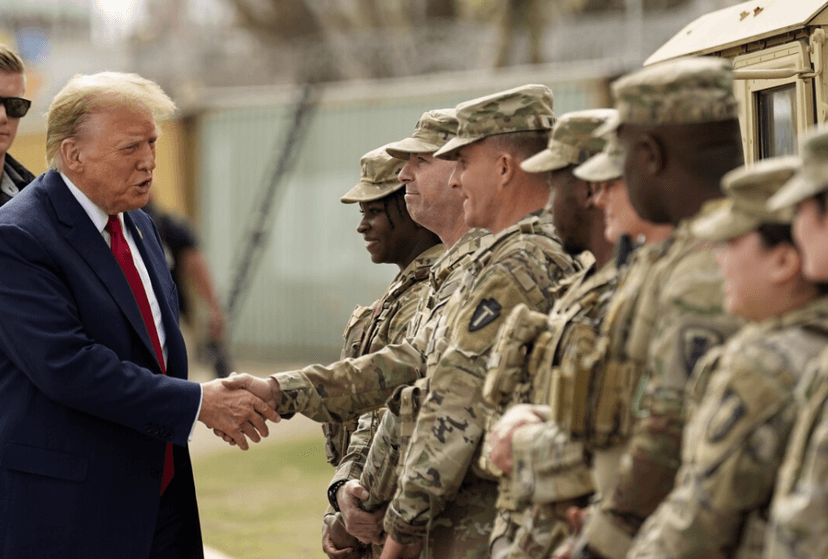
(84, 409)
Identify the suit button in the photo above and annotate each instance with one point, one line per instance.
(155, 473)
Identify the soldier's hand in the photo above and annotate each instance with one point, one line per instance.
(365, 526)
(500, 438)
(337, 543)
(266, 389)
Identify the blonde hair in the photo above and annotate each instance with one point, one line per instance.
(10, 61)
(85, 94)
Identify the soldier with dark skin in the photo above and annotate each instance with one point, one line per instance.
(679, 132)
(391, 237)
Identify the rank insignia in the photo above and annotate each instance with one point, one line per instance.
(486, 311)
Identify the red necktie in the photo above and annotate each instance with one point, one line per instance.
(120, 248)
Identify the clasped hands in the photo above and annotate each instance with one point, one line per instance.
(238, 407)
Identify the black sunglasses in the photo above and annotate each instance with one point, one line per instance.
(16, 107)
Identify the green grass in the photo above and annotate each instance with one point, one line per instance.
(267, 502)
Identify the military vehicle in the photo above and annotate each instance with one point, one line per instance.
(779, 50)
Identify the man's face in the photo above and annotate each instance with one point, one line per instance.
(476, 173)
(644, 192)
(116, 153)
(569, 208)
(427, 191)
(811, 234)
(11, 85)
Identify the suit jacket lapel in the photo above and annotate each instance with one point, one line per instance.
(91, 246)
(168, 316)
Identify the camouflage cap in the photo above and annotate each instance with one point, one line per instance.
(572, 141)
(378, 178)
(747, 190)
(433, 130)
(524, 108)
(812, 178)
(605, 166)
(689, 90)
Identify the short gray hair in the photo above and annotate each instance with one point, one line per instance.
(85, 94)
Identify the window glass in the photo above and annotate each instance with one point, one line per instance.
(777, 124)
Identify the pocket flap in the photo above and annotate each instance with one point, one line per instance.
(42, 462)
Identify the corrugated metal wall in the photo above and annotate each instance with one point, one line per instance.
(315, 268)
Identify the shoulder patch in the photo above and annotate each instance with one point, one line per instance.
(731, 410)
(486, 311)
(696, 341)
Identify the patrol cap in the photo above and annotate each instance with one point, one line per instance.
(571, 142)
(812, 178)
(689, 90)
(378, 177)
(747, 190)
(605, 166)
(433, 130)
(524, 108)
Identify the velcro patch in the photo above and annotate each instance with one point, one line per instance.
(697, 341)
(731, 410)
(486, 312)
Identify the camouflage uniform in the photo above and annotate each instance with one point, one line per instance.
(443, 499)
(667, 312)
(386, 321)
(740, 403)
(798, 523)
(558, 342)
(344, 390)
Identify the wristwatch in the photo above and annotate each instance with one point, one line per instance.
(332, 490)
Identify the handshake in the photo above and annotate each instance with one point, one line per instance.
(238, 407)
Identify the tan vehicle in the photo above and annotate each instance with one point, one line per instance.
(779, 50)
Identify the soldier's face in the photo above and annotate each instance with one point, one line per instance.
(747, 266)
(570, 205)
(387, 229)
(811, 234)
(428, 194)
(644, 192)
(619, 215)
(476, 173)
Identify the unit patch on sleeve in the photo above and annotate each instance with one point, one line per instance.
(486, 311)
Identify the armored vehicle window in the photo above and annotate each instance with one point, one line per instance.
(777, 121)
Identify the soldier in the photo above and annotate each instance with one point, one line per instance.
(393, 237)
(444, 506)
(740, 401)
(581, 227)
(606, 172)
(679, 132)
(545, 462)
(798, 524)
(345, 389)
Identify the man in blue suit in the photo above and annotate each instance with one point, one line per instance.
(93, 367)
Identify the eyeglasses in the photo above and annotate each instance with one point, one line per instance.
(16, 107)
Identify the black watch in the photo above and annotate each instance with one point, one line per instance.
(332, 490)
